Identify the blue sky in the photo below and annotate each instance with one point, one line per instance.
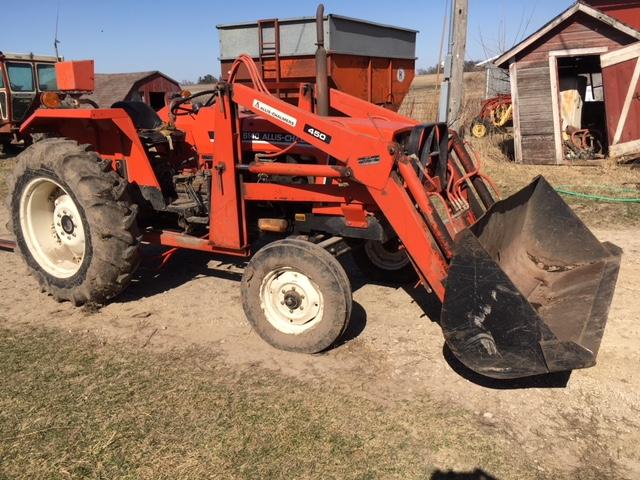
(180, 38)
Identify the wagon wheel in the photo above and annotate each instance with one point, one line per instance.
(479, 128)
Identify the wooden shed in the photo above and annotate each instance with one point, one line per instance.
(561, 77)
(151, 88)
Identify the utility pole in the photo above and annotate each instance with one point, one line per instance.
(452, 93)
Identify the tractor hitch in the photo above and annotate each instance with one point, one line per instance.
(529, 288)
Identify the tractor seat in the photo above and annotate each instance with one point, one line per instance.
(142, 115)
(148, 123)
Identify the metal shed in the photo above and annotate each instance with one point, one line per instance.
(151, 88)
(559, 79)
(369, 60)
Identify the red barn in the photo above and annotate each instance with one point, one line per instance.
(151, 88)
(627, 11)
(580, 71)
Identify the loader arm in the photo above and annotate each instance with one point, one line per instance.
(369, 159)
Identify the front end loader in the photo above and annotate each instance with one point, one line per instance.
(236, 171)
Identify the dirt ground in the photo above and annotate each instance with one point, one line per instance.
(586, 425)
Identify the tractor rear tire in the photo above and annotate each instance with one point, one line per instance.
(384, 263)
(296, 296)
(74, 223)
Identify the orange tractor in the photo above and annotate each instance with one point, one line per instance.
(525, 287)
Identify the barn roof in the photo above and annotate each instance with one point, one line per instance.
(567, 14)
(114, 87)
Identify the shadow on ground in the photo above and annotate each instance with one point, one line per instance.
(185, 265)
(551, 380)
(152, 278)
(477, 474)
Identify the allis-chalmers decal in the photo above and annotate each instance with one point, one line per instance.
(275, 138)
(275, 113)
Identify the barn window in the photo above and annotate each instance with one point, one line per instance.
(156, 100)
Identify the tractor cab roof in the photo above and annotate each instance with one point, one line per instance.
(30, 57)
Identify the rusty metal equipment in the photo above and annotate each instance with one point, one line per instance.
(495, 115)
(525, 287)
(583, 144)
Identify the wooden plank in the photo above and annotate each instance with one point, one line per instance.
(576, 52)
(538, 149)
(537, 128)
(625, 149)
(620, 55)
(555, 104)
(515, 100)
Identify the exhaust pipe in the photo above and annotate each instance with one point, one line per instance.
(322, 78)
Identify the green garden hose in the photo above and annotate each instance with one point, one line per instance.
(566, 190)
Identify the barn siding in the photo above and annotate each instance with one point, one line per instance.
(581, 31)
(536, 137)
(536, 115)
(154, 83)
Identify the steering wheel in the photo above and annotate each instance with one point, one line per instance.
(178, 109)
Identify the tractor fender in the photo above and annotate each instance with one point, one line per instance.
(110, 132)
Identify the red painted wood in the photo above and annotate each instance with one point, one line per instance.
(616, 80)
(627, 11)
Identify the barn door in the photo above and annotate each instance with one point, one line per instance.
(620, 76)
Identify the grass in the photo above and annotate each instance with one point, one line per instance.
(599, 180)
(71, 407)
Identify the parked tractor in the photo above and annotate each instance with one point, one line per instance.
(28, 82)
(496, 114)
(237, 172)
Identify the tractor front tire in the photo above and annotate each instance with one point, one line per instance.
(296, 296)
(74, 224)
(384, 262)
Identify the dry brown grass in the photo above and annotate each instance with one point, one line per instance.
(422, 101)
(73, 407)
(608, 179)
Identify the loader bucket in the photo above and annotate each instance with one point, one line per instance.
(529, 288)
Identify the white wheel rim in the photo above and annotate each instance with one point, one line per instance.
(52, 227)
(291, 301)
(384, 258)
